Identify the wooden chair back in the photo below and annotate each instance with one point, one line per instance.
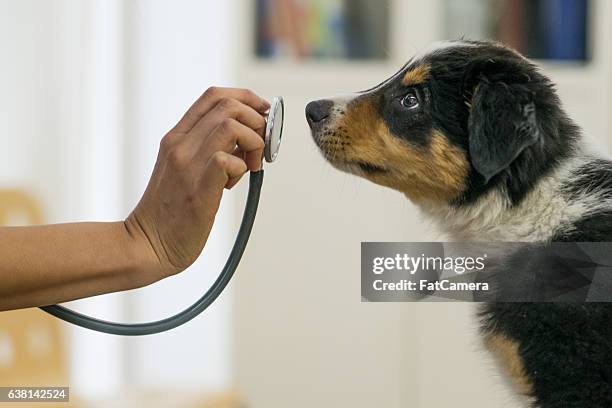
(31, 343)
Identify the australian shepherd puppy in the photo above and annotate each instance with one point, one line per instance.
(475, 134)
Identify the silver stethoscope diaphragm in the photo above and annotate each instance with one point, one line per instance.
(274, 129)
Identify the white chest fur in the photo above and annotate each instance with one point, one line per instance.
(545, 211)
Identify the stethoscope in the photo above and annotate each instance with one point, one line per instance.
(273, 136)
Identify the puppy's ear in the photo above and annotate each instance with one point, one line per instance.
(502, 123)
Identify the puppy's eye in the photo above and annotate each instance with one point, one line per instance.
(410, 101)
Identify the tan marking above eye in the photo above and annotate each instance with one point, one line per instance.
(506, 351)
(417, 75)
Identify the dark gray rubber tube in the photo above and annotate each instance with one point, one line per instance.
(143, 329)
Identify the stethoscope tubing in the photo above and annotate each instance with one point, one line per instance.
(143, 329)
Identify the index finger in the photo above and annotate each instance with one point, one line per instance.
(209, 100)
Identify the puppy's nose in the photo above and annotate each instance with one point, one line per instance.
(318, 111)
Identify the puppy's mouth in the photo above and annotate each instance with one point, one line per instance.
(335, 152)
(370, 168)
(357, 167)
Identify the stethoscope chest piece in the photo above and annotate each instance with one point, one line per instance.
(274, 129)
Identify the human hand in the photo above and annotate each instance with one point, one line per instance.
(210, 149)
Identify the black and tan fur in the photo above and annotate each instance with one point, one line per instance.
(475, 134)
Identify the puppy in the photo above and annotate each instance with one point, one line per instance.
(475, 134)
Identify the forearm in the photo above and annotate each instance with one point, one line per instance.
(210, 149)
(50, 264)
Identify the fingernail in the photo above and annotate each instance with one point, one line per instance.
(266, 104)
